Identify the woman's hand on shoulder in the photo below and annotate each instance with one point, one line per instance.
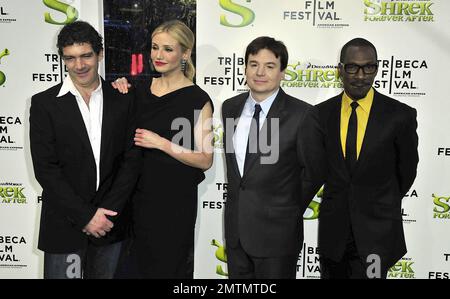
(121, 84)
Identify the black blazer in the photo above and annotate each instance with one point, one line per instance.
(369, 202)
(264, 208)
(64, 165)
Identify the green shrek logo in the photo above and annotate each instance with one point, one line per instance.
(70, 12)
(441, 207)
(398, 11)
(402, 269)
(2, 74)
(221, 255)
(247, 15)
(311, 76)
(218, 136)
(314, 207)
(12, 195)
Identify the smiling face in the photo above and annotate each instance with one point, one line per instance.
(263, 73)
(167, 53)
(82, 65)
(358, 85)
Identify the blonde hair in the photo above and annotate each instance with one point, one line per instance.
(184, 36)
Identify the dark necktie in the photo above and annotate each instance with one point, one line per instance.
(253, 138)
(350, 143)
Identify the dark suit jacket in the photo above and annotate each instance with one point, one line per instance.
(64, 165)
(264, 208)
(370, 201)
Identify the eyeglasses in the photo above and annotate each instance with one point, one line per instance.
(351, 68)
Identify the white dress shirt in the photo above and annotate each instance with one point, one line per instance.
(92, 117)
(240, 137)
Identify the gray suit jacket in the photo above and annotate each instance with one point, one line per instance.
(265, 206)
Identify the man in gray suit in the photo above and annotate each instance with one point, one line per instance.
(275, 165)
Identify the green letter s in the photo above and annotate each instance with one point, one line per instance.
(70, 11)
(2, 75)
(445, 207)
(247, 14)
(376, 7)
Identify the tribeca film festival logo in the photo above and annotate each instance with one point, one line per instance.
(443, 151)
(406, 215)
(2, 74)
(56, 71)
(245, 15)
(221, 256)
(398, 11)
(8, 252)
(308, 75)
(320, 14)
(308, 263)
(440, 274)
(12, 193)
(7, 140)
(70, 12)
(397, 76)
(231, 73)
(217, 205)
(402, 269)
(441, 207)
(5, 16)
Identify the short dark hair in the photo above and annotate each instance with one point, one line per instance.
(357, 42)
(79, 32)
(271, 44)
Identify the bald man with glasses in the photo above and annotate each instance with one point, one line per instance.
(371, 147)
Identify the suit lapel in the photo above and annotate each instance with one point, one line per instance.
(334, 130)
(374, 125)
(235, 113)
(72, 114)
(107, 121)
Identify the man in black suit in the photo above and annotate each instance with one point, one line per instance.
(275, 165)
(371, 147)
(79, 132)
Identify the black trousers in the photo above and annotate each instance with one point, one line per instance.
(241, 265)
(351, 266)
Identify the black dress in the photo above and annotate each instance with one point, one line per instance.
(165, 199)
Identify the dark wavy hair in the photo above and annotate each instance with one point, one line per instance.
(79, 32)
(275, 46)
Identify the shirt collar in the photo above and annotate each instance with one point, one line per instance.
(68, 86)
(365, 103)
(265, 104)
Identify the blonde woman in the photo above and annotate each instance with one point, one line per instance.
(174, 132)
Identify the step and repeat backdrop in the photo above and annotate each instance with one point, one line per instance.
(413, 42)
